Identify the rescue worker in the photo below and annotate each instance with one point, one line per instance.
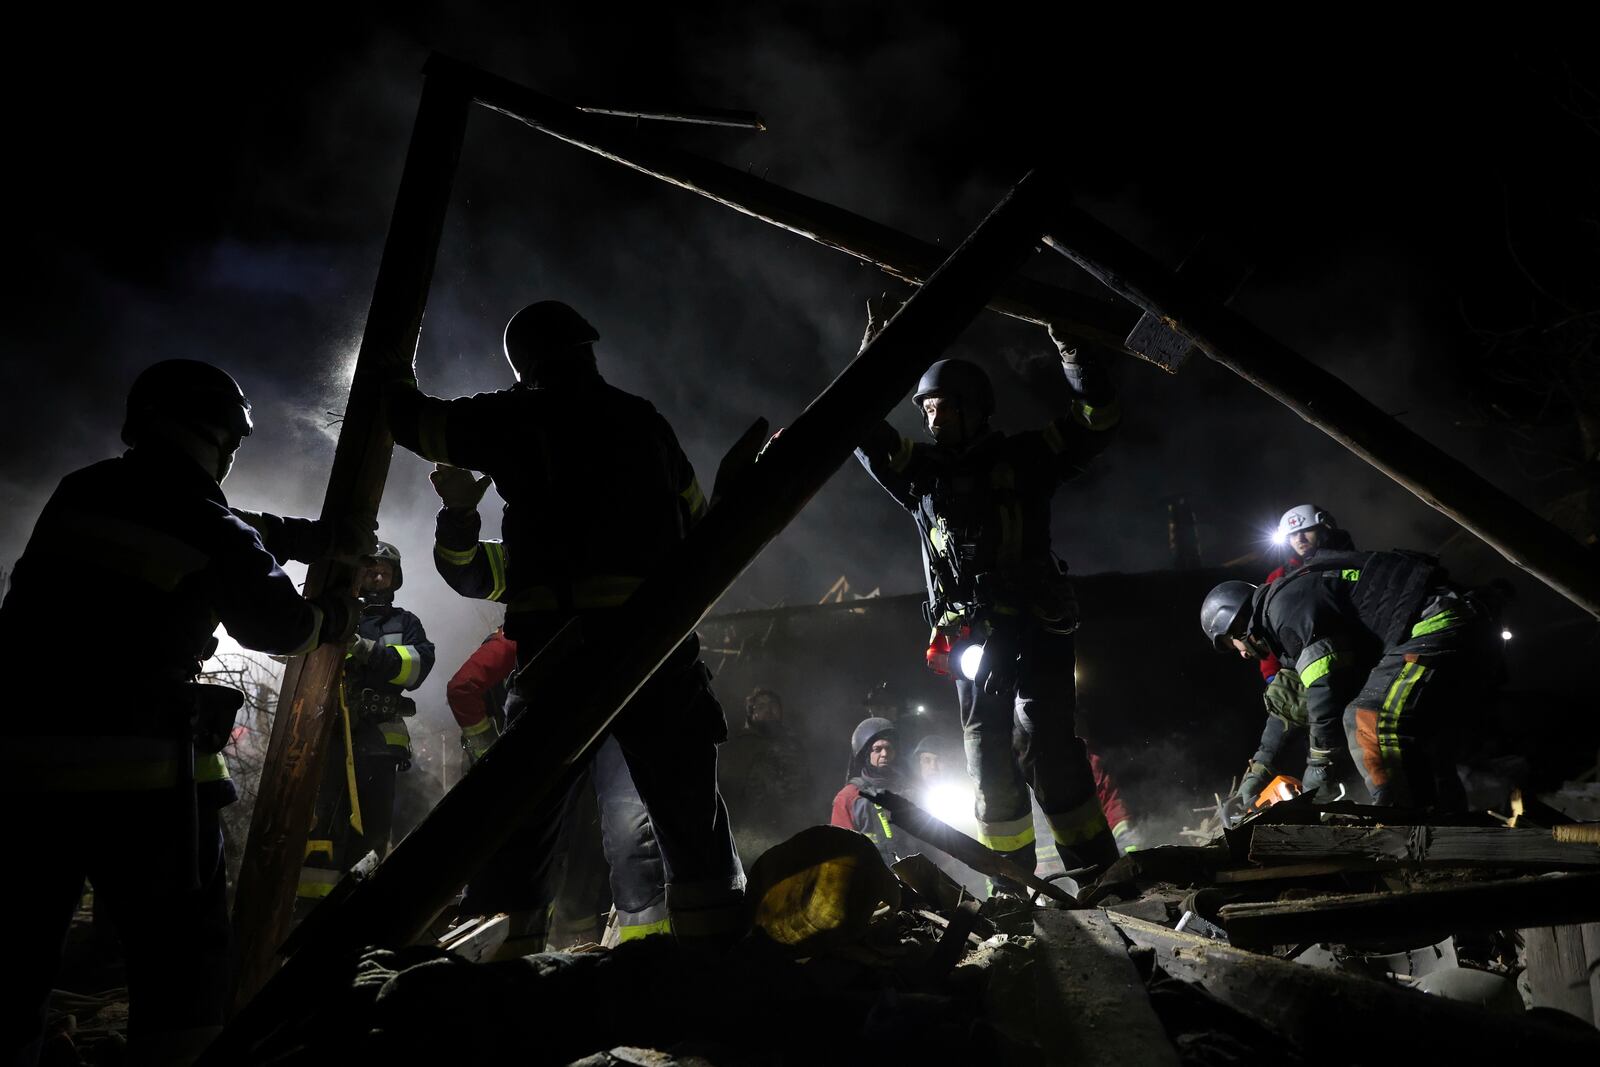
(981, 501)
(124, 789)
(389, 656)
(872, 766)
(764, 777)
(1302, 530)
(1396, 664)
(521, 880)
(597, 493)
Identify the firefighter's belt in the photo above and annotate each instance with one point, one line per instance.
(370, 705)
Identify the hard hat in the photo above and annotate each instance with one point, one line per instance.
(868, 731)
(1304, 517)
(961, 380)
(1222, 611)
(387, 553)
(544, 332)
(188, 393)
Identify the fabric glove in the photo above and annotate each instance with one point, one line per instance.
(340, 611)
(475, 740)
(1084, 374)
(1319, 771)
(360, 649)
(458, 489)
(1256, 778)
(348, 537)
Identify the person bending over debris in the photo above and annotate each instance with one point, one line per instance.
(522, 877)
(1001, 605)
(1396, 662)
(873, 765)
(389, 656)
(124, 789)
(597, 493)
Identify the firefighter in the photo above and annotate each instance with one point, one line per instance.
(521, 879)
(124, 788)
(1302, 530)
(389, 656)
(998, 598)
(1395, 661)
(873, 765)
(597, 493)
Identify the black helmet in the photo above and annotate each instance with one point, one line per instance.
(188, 393)
(866, 732)
(1223, 610)
(387, 553)
(961, 380)
(545, 333)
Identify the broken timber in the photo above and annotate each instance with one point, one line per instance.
(422, 874)
(1440, 481)
(891, 250)
(1093, 1007)
(1433, 846)
(1394, 1024)
(1417, 915)
(303, 731)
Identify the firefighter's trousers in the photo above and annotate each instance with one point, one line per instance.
(135, 850)
(1026, 739)
(667, 740)
(1424, 697)
(335, 845)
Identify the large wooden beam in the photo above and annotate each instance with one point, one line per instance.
(891, 250)
(1431, 846)
(1424, 915)
(302, 732)
(1440, 481)
(1341, 1018)
(1093, 1007)
(607, 663)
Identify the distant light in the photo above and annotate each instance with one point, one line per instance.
(922, 709)
(971, 660)
(1505, 635)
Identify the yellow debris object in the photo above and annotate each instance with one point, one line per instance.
(820, 889)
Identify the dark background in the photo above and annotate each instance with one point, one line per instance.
(1420, 218)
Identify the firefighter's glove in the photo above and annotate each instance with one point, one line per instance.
(1319, 774)
(998, 671)
(340, 612)
(348, 537)
(458, 489)
(1085, 376)
(1255, 780)
(360, 649)
(475, 740)
(880, 309)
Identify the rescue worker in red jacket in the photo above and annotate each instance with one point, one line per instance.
(1396, 661)
(389, 657)
(981, 502)
(511, 883)
(597, 492)
(873, 765)
(125, 791)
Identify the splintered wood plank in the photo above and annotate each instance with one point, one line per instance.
(1442, 846)
(1093, 1007)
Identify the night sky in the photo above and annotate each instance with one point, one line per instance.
(227, 198)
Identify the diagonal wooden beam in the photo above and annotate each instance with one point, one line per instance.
(891, 250)
(302, 733)
(1442, 482)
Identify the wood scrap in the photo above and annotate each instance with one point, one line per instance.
(1440, 846)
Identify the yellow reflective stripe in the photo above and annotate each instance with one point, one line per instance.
(634, 933)
(456, 556)
(397, 734)
(350, 763)
(139, 552)
(1121, 828)
(1007, 836)
(210, 767)
(1054, 439)
(432, 422)
(1350, 575)
(1102, 417)
(477, 728)
(1083, 823)
(496, 553)
(695, 498)
(408, 665)
(883, 820)
(1393, 706)
(1317, 669)
(316, 882)
(902, 455)
(1434, 623)
(314, 846)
